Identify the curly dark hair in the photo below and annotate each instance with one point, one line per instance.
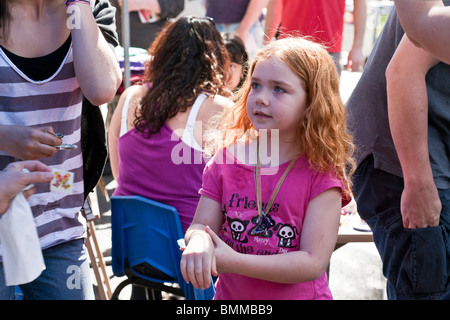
(187, 58)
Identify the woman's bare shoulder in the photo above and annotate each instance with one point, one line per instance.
(218, 103)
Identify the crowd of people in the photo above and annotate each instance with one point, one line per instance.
(221, 92)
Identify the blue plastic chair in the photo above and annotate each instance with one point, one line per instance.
(145, 248)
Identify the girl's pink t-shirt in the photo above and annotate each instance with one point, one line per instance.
(231, 183)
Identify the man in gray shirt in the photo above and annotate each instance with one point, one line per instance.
(402, 183)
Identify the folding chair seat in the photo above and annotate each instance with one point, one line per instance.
(145, 248)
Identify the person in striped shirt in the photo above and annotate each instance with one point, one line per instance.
(52, 54)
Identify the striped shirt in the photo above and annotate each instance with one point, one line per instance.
(55, 102)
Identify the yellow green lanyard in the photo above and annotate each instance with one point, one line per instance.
(258, 183)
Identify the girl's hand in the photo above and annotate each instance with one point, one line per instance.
(198, 260)
(225, 256)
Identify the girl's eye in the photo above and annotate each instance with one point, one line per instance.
(278, 89)
(255, 85)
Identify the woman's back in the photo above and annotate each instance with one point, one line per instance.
(164, 166)
(185, 79)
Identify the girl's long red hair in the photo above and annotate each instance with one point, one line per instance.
(322, 133)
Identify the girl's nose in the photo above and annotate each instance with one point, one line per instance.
(262, 98)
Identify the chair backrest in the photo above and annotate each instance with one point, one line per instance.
(144, 239)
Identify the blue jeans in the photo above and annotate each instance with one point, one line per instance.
(66, 277)
(416, 262)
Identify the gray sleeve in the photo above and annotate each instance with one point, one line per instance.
(171, 8)
(105, 16)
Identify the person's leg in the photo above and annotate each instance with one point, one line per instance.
(66, 277)
(225, 28)
(337, 61)
(416, 262)
(6, 293)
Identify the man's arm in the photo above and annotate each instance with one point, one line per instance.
(356, 56)
(427, 24)
(273, 19)
(408, 120)
(252, 14)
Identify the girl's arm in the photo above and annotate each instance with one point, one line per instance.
(318, 239)
(96, 66)
(198, 260)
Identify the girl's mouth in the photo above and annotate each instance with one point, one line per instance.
(261, 114)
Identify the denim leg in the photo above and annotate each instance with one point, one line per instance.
(416, 262)
(66, 276)
(6, 293)
(337, 61)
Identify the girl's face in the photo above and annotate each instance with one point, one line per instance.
(277, 98)
(236, 74)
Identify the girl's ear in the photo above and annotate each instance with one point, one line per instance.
(307, 112)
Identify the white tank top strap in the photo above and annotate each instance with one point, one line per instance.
(188, 134)
(126, 107)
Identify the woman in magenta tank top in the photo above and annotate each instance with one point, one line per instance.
(156, 132)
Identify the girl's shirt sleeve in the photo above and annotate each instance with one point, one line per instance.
(212, 179)
(324, 181)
